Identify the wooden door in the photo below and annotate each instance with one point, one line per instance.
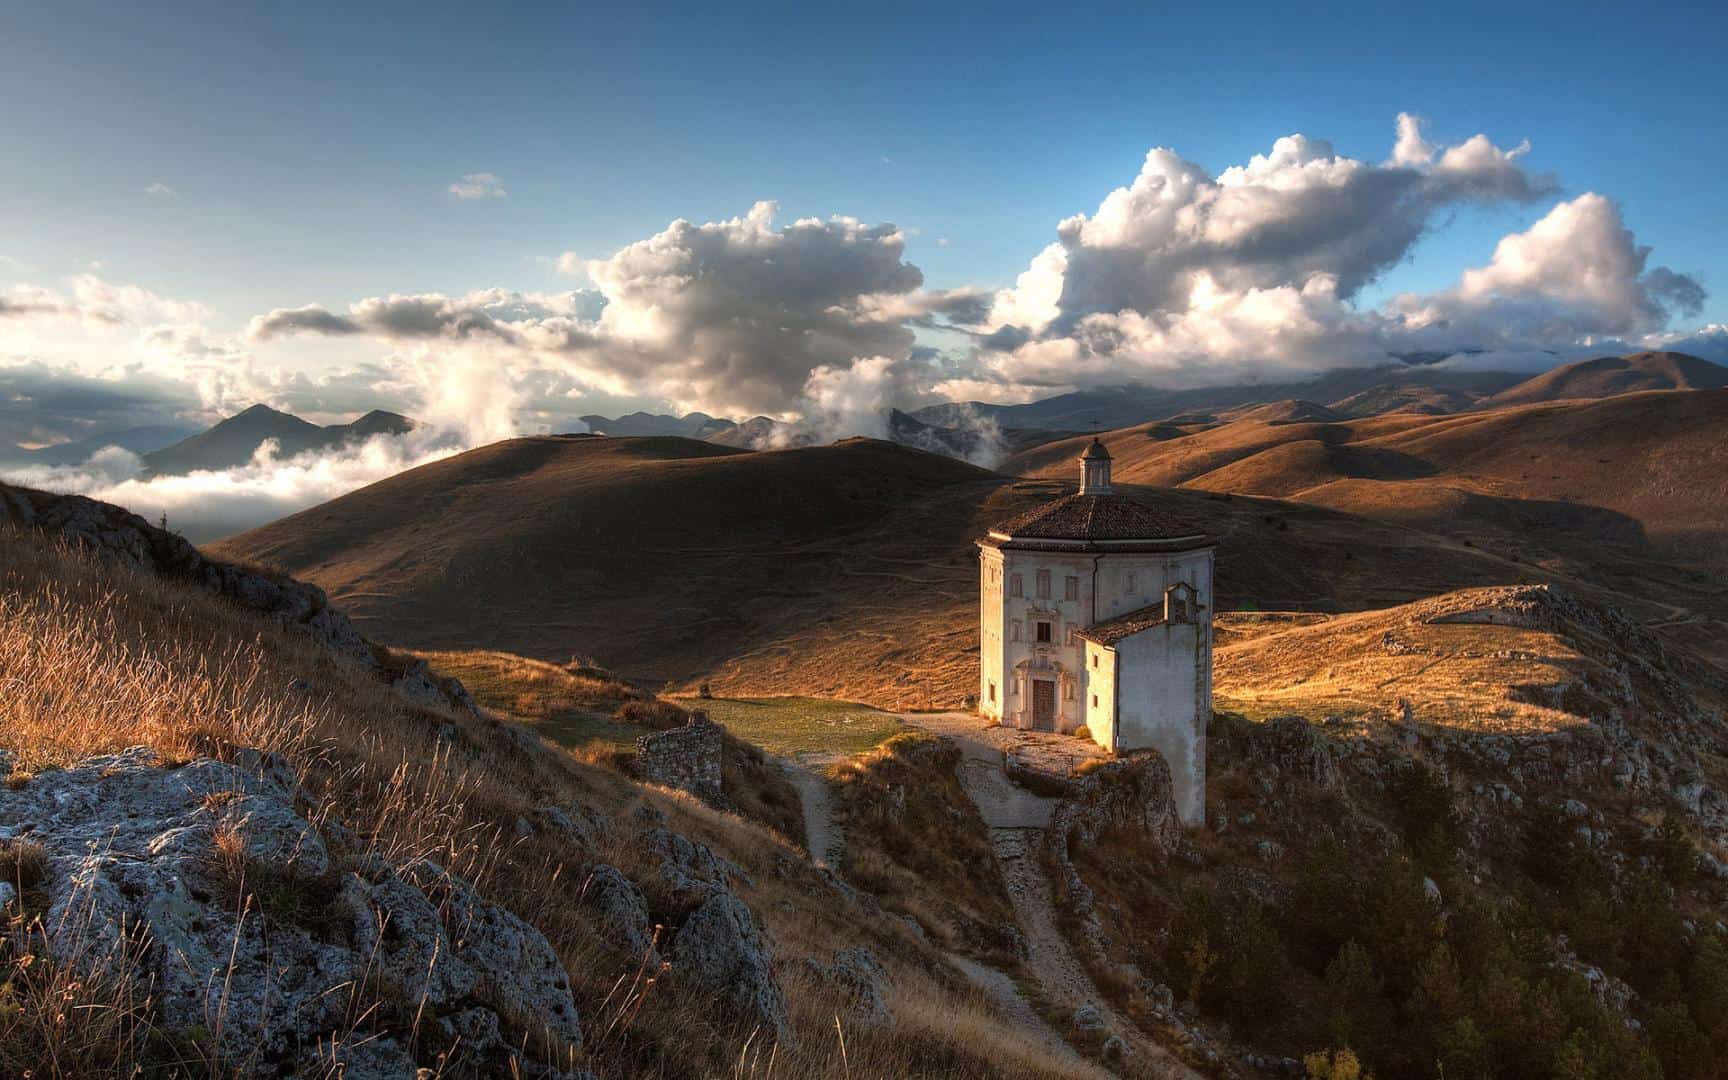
(1043, 705)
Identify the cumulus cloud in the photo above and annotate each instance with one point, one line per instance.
(480, 185)
(1709, 341)
(1578, 273)
(45, 402)
(730, 316)
(210, 504)
(1180, 277)
(98, 303)
(1184, 278)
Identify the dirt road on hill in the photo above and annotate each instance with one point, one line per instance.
(1017, 818)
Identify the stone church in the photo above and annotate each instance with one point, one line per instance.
(1096, 614)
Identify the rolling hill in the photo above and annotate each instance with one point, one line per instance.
(1626, 491)
(1607, 376)
(839, 571)
(1357, 391)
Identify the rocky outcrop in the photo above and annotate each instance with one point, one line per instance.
(121, 537)
(264, 938)
(622, 913)
(1130, 795)
(718, 946)
(685, 758)
(860, 980)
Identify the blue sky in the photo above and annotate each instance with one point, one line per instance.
(207, 206)
(311, 152)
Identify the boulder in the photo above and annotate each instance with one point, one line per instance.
(622, 911)
(209, 882)
(861, 980)
(721, 949)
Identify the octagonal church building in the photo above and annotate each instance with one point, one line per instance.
(1096, 614)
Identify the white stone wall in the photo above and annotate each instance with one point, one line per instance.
(1100, 693)
(1160, 679)
(990, 633)
(1158, 697)
(1012, 656)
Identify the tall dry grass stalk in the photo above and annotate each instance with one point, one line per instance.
(94, 658)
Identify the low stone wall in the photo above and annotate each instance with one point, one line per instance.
(686, 758)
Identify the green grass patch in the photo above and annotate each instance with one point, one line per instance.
(800, 725)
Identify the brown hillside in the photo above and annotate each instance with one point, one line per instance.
(1652, 461)
(1624, 492)
(1288, 411)
(1607, 376)
(841, 571)
(1524, 659)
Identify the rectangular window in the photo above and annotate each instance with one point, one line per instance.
(1131, 587)
(1043, 584)
(992, 693)
(1044, 632)
(1071, 589)
(1015, 585)
(1094, 661)
(1094, 701)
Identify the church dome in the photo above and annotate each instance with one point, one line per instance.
(1096, 452)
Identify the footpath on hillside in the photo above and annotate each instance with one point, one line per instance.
(1016, 818)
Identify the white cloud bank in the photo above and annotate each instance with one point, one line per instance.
(210, 504)
(1177, 278)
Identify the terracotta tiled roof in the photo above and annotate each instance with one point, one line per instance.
(1110, 631)
(1094, 517)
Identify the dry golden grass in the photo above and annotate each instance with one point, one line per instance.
(570, 704)
(892, 801)
(1375, 665)
(94, 659)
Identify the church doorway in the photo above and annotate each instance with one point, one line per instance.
(1043, 705)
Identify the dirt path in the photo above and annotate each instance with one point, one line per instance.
(823, 836)
(825, 839)
(1017, 819)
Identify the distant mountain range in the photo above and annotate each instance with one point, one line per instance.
(954, 428)
(690, 426)
(233, 441)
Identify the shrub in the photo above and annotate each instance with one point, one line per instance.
(655, 714)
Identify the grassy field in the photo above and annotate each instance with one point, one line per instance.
(575, 707)
(800, 725)
(572, 708)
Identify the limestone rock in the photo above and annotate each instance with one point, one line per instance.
(622, 910)
(581, 825)
(1088, 1020)
(721, 949)
(1291, 746)
(861, 979)
(518, 973)
(147, 867)
(1131, 795)
(689, 871)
